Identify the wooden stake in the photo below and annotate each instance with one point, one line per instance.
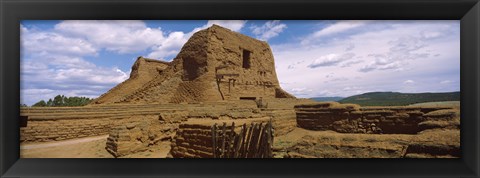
(214, 140)
(231, 139)
(224, 129)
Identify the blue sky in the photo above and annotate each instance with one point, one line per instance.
(312, 58)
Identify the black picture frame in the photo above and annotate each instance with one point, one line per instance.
(12, 11)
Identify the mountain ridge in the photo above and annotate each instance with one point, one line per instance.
(400, 99)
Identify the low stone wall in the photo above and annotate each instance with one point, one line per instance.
(62, 129)
(283, 121)
(138, 136)
(194, 137)
(285, 103)
(61, 123)
(350, 118)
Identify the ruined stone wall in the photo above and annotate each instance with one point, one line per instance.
(286, 103)
(215, 64)
(139, 136)
(321, 116)
(349, 118)
(192, 141)
(184, 81)
(143, 71)
(283, 121)
(243, 66)
(63, 129)
(60, 123)
(194, 137)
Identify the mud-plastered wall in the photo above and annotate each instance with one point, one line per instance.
(283, 121)
(350, 118)
(139, 136)
(193, 138)
(62, 129)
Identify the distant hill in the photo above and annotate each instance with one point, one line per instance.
(399, 99)
(327, 98)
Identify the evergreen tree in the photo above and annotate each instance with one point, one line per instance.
(41, 103)
(62, 100)
(49, 102)
(58, 100)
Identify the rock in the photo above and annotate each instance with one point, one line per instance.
(130, 125)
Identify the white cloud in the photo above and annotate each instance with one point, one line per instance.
(349, 88)
(330, 60)
(70, 76)
(53, 63)
(292, 66)
(133, 36)
(175, 40)
(170, 46)
(297, 89)
(44, 42)
(339, 27)
(446, 82)
(386, 52)
(408, 82)
(113, 35)
(400, 52)
(88, 37)
(335, 28)
(350, 63)
(268, 30)
(234, 25)
(69, 70)
(350, 47)
(430, 34)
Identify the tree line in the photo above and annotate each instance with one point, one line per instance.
(61, 100)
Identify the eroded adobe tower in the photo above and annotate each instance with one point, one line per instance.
(215, 64)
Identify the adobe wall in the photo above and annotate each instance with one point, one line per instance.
(63, 129)
(138, 136)
(61, 123)
(215, 64)
(350, 118)
(243, 66)
(193, 139)
(283, 121)
(143, 71)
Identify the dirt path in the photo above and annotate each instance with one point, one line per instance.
(90, 147)
(61, 143)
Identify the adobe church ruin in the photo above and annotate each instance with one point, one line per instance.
(213, 82)
(215, 64)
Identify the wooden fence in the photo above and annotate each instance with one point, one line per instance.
(254, 141)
